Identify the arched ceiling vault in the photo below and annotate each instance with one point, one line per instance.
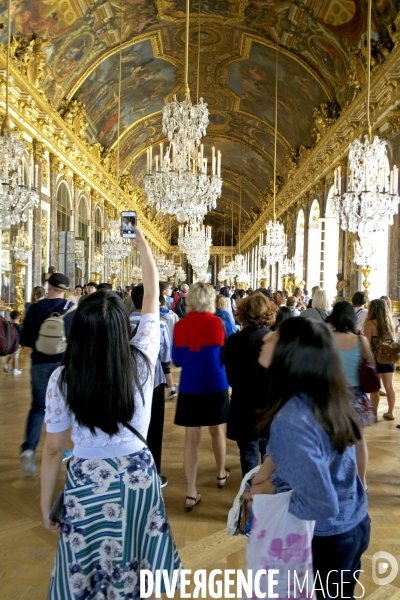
(236, 76)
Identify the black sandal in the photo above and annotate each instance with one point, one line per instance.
(189, 507)
(224, 479)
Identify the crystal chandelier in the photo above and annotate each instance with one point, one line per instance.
(97, 263)
(288, 266)
(115, 268)
(372, 198)
(136, 272)
(201, 273)
(364, 253)
(184, 123)
(222, 276)
(239, 270)
(275, 249)
(21, 247)
(115, 248)
(180, 274)
(194, 237)
(164, 266)
(181, 183)
(17, 191)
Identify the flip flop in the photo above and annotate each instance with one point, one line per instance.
(388, 417)
(190, 507)
(224, 479)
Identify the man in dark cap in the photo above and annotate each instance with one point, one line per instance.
(42, 365)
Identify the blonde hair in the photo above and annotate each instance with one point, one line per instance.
(200, 298)
(221, 302)
(320, 300)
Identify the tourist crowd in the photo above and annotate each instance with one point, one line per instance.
(280, 371)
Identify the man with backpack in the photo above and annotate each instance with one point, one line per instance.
(179, 303)
(45, 328)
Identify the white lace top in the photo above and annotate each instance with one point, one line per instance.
(86, 445)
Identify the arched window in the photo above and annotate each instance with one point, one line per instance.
(299, 247)
(98, 230)
(82, 218)
(63, 208)
(329, 248)
(314, 247)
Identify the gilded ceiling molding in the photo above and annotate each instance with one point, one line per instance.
(203, 17)
(33, 113)
(136, 124)
(246, 42)
(323, 158)
(155, 38)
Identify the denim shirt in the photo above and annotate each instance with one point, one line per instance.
(325, 484)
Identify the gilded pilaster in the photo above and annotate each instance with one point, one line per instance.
(38, 150)
(55, 170)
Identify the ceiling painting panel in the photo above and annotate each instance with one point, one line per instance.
(253, 81)
(138, 171)
(145, 82)
(236, 156)
(79, 32)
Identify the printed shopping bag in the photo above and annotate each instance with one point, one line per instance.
(280, 541)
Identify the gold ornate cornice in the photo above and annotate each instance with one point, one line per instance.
(30, 111)
(320, 161)
(38, 150)
(220, 19)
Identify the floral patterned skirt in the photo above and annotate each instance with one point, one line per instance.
(113, 525)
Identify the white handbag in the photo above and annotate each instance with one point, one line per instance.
(279, 540)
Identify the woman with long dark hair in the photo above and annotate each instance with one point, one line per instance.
(311, 429)
(113, 518)
(379, 327)
(353, 349)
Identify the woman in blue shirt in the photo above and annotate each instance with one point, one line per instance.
(312, 430)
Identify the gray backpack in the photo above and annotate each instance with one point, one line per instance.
(52, 339)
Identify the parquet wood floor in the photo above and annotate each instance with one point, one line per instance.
(27, 550)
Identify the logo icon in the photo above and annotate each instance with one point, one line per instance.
(383, 560)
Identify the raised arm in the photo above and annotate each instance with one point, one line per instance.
(149, 275)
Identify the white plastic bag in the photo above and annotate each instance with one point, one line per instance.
(279, 540)
(235, 512)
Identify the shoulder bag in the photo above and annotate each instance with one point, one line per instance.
(368, 376)
(387, 352)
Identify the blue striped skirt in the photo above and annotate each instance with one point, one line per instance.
(113, 525)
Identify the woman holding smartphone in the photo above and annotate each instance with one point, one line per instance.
(113, 518)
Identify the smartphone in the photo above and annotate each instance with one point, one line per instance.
(128, 220)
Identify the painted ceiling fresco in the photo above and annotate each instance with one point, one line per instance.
(236, 75)
(145, 81)
(253, 80)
